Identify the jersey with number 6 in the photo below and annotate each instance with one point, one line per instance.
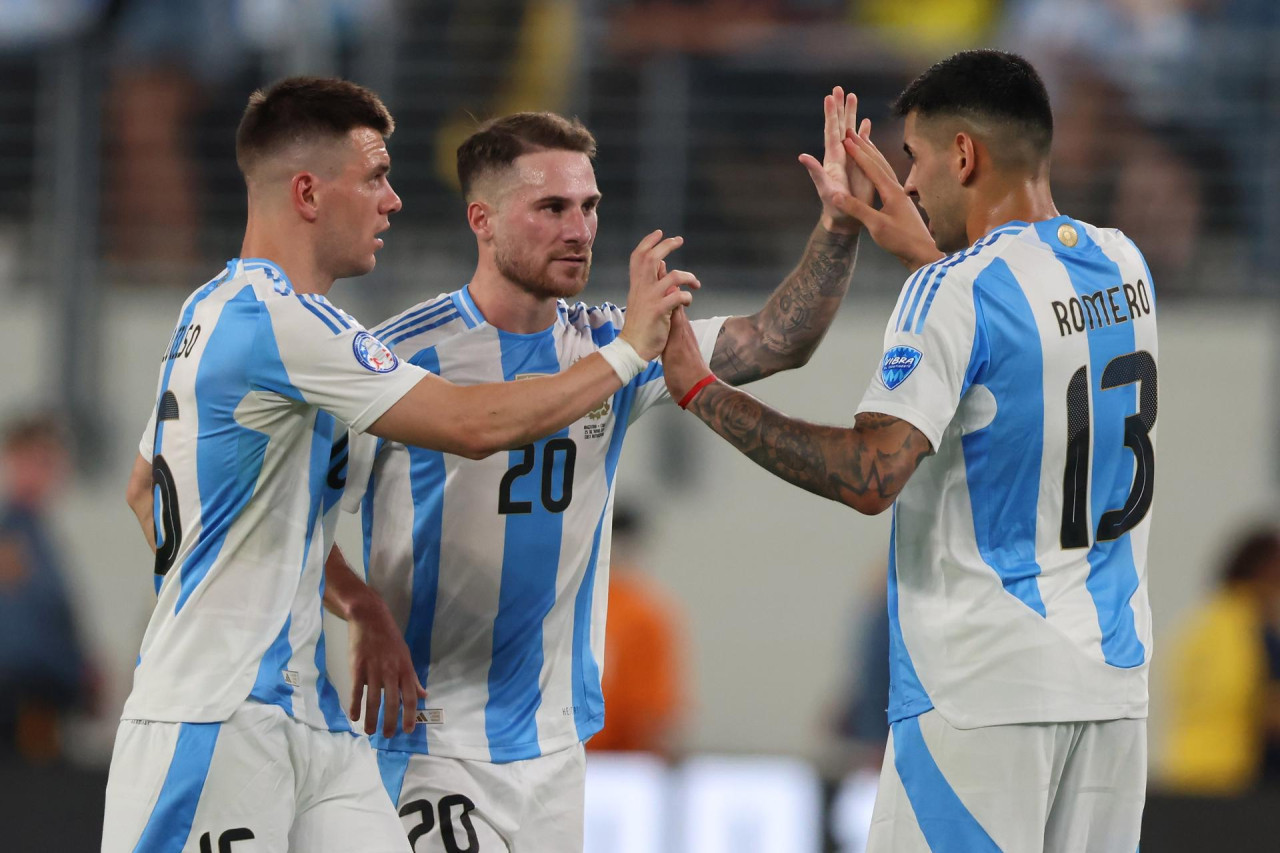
(498, 569)
(253, 386)
(1018, 562)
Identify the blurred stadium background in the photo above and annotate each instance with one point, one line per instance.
(119, 194)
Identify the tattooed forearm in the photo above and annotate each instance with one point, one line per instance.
(864, 467)
(790, 326)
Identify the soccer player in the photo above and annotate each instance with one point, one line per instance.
(233, 735)
(1010, 425)
(498, 569)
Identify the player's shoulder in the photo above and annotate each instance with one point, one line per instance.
(429, 323)
(600, 322)
(965, 265)
(951, 280)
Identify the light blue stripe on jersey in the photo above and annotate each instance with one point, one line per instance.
(588, 699)
(907, 697)
(434, 323)
(467, 307)
(175, 809)
(392, 767)
(390, 329)
(1113, 576)
(328, 308)
(910, 290)
(1002, 461)
(269, 687)
(970, 252)
(221, 384)
(315, 309)
(530, 563)
(947, 826)
(323, 495)
(157, 502)
(426, 479)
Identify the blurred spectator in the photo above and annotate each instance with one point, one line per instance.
(43, 669)
(1224, 734)
(1124, 80)
(644, 654)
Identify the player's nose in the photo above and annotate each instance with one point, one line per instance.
(392, 204)
(577, 228)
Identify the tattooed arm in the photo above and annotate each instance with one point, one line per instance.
(785, 333)
(864, 467)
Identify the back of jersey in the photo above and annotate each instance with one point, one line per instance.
(1018, 577)
(252, 387)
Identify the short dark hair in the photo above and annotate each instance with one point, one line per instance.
(497, 143)
(302, 108)
(984, 84)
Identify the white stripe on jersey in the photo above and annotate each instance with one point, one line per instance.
(1018, 567)
(242, 442)
(502, 586)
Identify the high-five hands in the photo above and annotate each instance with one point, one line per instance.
(654, 294)
(837, 176)
(897, 226)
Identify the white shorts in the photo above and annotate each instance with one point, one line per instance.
(258, 782)
(451, 805)
(1034, 788)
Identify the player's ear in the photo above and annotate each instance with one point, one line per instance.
(965, 153)
(480, 218)
(302, 191)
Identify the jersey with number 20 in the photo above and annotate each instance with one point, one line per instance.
(256, 383)
(1018, 563)
(498, 568)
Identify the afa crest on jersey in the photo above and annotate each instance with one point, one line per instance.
(373, 354)
(898, 364)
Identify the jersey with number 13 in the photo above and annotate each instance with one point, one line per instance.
(1018, 563)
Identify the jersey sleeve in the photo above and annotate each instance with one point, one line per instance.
(651, 388)
(928, 351)
(309, 351)
(147, 444)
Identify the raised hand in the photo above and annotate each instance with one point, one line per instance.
(655, 293)
(837, 175)
(897, 226)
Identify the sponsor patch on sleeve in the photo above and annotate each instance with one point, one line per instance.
(898, 364)
(373, 353)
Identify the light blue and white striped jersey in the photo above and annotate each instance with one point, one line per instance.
(253, 385)
(1018, 561)
(498, 569)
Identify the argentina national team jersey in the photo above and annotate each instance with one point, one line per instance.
(498, 569)
(1017, 575)
(256, 383)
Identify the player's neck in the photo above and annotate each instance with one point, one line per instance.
(508, 306)
(295, 257)
(1009, 200)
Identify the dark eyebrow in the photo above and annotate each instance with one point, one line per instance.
(562, 200)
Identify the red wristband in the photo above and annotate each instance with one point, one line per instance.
(693, 392)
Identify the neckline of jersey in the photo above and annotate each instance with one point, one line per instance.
(465, 294)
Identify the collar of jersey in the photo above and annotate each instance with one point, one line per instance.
(247, 264)
(464, 295)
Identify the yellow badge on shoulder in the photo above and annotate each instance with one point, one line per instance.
(1067, 235)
